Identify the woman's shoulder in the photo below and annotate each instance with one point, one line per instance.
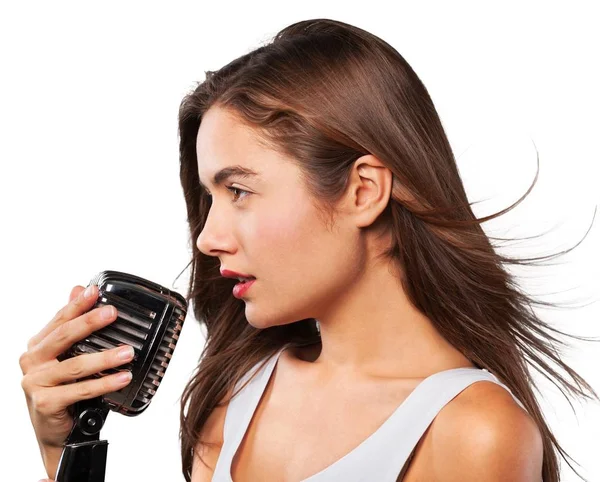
(484, 432)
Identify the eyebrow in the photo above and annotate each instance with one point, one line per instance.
(227, 172)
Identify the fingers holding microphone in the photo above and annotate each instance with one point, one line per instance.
(52, 386)
(80, 300)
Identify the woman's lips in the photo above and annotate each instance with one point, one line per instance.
(242, 287)
(232, 274)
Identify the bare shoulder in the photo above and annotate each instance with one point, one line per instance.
(211, 436)
(484, 434)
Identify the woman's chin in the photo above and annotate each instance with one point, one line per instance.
(261, 321)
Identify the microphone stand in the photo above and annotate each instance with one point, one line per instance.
(84, 456)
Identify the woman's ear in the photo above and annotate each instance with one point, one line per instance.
(369, 190)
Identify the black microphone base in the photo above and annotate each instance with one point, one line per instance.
(83, 462)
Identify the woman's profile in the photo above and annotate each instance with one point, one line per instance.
(360, 324)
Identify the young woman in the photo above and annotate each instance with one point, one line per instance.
(360, 325)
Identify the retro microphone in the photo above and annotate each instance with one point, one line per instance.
(150, 318)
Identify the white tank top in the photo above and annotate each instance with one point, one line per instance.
(379, 457)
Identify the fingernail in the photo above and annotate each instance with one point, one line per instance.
(88, 291)
(125, 353)
(124, 377)
(107, 312)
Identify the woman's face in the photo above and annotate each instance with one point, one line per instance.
(270, 229)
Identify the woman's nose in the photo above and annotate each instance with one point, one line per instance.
(215, 237)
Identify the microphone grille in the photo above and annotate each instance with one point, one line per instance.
(150, 318)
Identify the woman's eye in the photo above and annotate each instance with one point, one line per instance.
(238, 194)
(235, 190)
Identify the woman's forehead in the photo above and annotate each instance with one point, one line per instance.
(226, 147)
(222, 135)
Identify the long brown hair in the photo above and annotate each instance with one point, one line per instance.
(326, 93)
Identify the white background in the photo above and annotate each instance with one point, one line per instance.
(89, 167)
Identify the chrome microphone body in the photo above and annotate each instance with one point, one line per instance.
(149, 318)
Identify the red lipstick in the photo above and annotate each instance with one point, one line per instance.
(245, 283)
(240, 289)
(226, 273)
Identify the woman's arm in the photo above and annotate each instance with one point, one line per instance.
(51, 457)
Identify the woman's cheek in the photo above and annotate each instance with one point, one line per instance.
(276, 231)
(282, 225)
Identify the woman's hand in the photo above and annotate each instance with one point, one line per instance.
(49, 385)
